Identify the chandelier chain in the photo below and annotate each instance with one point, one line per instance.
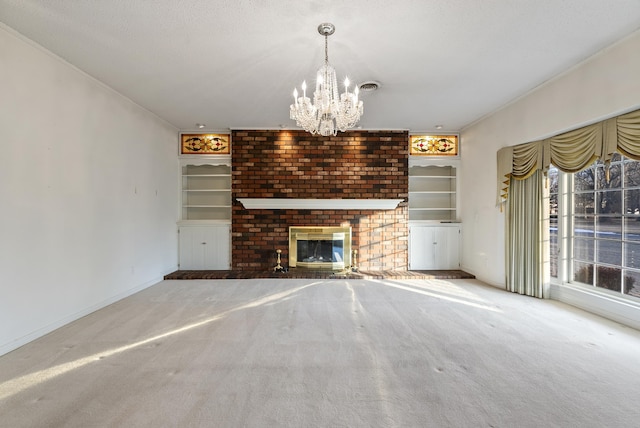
(326, 49)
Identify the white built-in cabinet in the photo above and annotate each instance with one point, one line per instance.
(205, 247)
(205, 226)
(434, 247)
(434, 231)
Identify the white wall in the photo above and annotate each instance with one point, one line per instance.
(88, 193)
(605, 85)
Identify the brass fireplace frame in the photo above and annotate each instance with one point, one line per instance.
(319, 233)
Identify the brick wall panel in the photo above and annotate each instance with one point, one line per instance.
(295, 164)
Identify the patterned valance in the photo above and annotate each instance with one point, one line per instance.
(571, 151)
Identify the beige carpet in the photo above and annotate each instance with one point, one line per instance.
(327, 353)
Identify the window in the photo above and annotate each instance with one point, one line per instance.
(552, 177)
(600, 223)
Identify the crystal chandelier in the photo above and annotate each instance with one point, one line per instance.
(329, 112)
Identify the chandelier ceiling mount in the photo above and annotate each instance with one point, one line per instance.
(330, 111)
(326, 29)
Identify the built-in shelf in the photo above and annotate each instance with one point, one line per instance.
(206, 191)
(314, 204)
(432, 193)
(433, 209)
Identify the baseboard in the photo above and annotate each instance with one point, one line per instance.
(482, 278)
(15, 344)
(608, 306)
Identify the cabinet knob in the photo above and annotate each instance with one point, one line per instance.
(204, 243)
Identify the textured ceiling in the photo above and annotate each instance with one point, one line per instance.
(234, 63)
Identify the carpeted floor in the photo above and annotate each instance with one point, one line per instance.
(327, 353)
(320, 274)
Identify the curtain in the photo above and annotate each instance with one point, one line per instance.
(628, 134)
(521, 171)
(571, 151)
(505, 166)
(525, 236)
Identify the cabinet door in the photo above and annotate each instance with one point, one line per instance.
(205, 247)
(434, 247)
(447, 247)
(421, 251)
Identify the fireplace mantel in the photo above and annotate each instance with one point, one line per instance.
(318, 204)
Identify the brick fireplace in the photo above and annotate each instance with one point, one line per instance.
(297, 165)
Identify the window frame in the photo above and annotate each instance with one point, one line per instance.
(565, 249)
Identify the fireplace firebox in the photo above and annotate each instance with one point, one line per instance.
(315, 247)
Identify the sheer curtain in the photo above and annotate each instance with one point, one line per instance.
(520, 182)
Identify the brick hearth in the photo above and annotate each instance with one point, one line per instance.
(318, 274)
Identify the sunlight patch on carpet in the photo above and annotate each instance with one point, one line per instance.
(17, 385)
